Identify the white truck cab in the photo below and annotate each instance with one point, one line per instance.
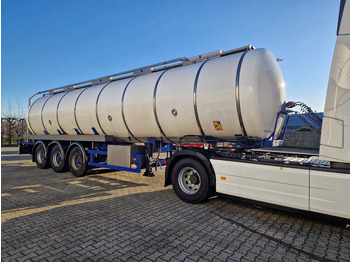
(335, 136)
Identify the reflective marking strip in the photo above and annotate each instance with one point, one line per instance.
(155, 106)
(96, 107)
(75, 111)
(238, 103)
(126, 87)
(195, 99)
(41, 116)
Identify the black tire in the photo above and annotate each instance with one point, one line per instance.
(40, 158)
(190, 181)
(77, 162)
(58, 163)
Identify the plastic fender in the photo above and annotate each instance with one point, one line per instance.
(200, 155)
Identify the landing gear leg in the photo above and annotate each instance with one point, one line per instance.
(148, 171)
(149, 152)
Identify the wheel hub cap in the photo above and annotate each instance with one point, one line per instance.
(189, 180)
(194, 179)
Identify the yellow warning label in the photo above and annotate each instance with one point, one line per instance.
(217, 125)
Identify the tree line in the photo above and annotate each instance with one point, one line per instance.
(13, 124)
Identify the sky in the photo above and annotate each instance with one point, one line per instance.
(49, 43)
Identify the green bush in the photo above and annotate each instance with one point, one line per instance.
(305, 128)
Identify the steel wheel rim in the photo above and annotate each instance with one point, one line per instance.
(40, 156)
(76, 161)
(57, 158)
(189, 180)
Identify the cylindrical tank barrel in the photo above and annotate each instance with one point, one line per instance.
(237, 94)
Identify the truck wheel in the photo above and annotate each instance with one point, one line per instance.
(57, 160)
(40, 158)
(76, 162)
(190, 181)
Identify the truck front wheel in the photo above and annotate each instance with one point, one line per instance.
(190, 181)
(76, 162)
(40, 157)
(57, 160)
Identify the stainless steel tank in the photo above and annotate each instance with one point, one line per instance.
(234, 94)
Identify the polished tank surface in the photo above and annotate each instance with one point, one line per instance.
(224, 96)
(109, 109)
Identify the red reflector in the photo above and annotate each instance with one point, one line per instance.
(165, 162)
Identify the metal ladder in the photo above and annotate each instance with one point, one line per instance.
(308, 116)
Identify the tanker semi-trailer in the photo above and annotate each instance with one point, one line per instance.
(231, 103)
(118, 121)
